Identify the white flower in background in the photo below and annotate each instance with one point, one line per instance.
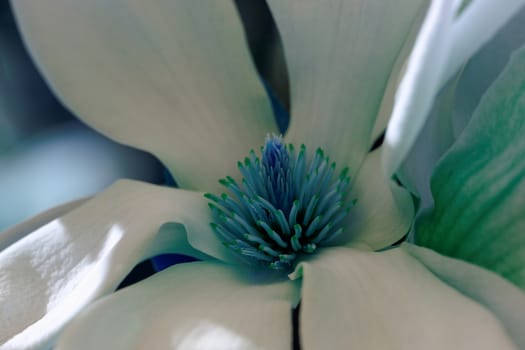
(174, 78)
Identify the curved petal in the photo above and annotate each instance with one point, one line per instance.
(171, 77)
(501, 297)
(479, 186)
(50, 275)
(474, 27)
(189, 306)
(442, 47)
(361, 300)
(340, 55)
(398, 70)
(21, 83)
(14, 233)
(419, 85)
(434, 139)
(454, 107)
(484, 68)
(64, 163)
(383, 212)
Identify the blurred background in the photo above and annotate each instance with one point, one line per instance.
(48, 157)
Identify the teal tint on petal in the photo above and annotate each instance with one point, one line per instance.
(478, 186)
(484, 68)
(454, 106)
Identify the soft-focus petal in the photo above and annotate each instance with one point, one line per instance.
(454, 106)
(171, 77)
(484, 68)
(419, 85)
(383, 212)
(189, 306)
(340, 55)
(474, 27)
(478, 186)
(496, 294)
(66, 162)
(433, 140)
(361, 300)
(443, 46)
(54, 272)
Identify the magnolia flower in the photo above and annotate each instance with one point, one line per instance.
(175, 79)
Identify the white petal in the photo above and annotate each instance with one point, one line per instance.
(340, 55)
(495, 293)
(474, 27)
(383, 212)
(22, 229)
(50, 275)
(189, 306)
(26, 104)
(171, 77)
(361, 300)
(419, 85)
(454, 107)
(66, 162)
(383, 116)
(443, 45)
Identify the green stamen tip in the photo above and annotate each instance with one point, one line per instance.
(286, 205)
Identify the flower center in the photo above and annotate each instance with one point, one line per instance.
(286, 205)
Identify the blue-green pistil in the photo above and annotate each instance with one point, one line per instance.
(288, 204)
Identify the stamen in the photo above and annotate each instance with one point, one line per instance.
(284, 207)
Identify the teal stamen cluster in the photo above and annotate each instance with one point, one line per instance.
(285, 206)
